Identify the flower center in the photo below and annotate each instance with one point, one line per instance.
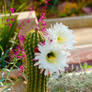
(51, 57)
(60, 39)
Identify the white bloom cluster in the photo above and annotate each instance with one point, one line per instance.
(53, 56)
(61, 35)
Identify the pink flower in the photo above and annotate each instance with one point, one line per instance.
(43, 14)
(20, 30)
(12, 10)
(43, 29)
(21, 38)
(21, 68)
(44, 7)
(17, 48)
(28, 21)
(7, 20)
(19, 35)
(39, 20)
(22, 23)
(31, 8)
(43, 43)
(16, 53)
(87, 10)
(46, 2)
(11, 56)
(10, 25)
(22, 52)
(19, 57)
(24, 56)
(44, 23)
(12, 20)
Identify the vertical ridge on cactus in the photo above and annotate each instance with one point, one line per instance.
(36, 82)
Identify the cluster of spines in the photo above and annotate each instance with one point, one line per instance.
(36, 82)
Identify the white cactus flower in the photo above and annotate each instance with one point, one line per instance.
(61, 35)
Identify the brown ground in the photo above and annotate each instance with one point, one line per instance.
(83, 36)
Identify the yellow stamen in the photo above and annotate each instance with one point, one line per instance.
(60, 40)
(51, 57)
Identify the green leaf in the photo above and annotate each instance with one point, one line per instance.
(21, 6)
(85, 66)
(1, 48)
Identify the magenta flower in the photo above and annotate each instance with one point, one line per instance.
(87, 10)
(44, 7)
(21, 68)
(22, 23)
(24, 56)
(46, 2)
(43, 23)
(28, 21)
(31, 8)
(21, 38)
(12, 20)
(16, 53)
(7, 20)
(20, 30)
(11, 56)
(10, 25)
(19, 57)
(43, 29)
(39, 20)
(43, 43)
(12, 10)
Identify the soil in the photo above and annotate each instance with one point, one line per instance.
(83, 36)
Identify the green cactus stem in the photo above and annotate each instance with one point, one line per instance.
(36, 82)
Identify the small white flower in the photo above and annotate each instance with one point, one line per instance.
(51, 58)
(61, 35)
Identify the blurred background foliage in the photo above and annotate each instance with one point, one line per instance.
(56, 8)
(7, 38)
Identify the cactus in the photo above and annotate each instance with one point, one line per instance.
(36, 82)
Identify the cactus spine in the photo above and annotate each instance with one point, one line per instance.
(36, 82)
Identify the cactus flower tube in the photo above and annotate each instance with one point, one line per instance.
(36, 81)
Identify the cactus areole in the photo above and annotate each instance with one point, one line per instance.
(36, 82)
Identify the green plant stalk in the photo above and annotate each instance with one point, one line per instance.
(36, 82)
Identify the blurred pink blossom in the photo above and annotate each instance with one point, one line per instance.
(21, 68)
(13, 19)
(10, 25)
(21, 38)
(12, 10)
(28, 21)
(43, 29)
(86, 10)
(31, 8)
(7, 20)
